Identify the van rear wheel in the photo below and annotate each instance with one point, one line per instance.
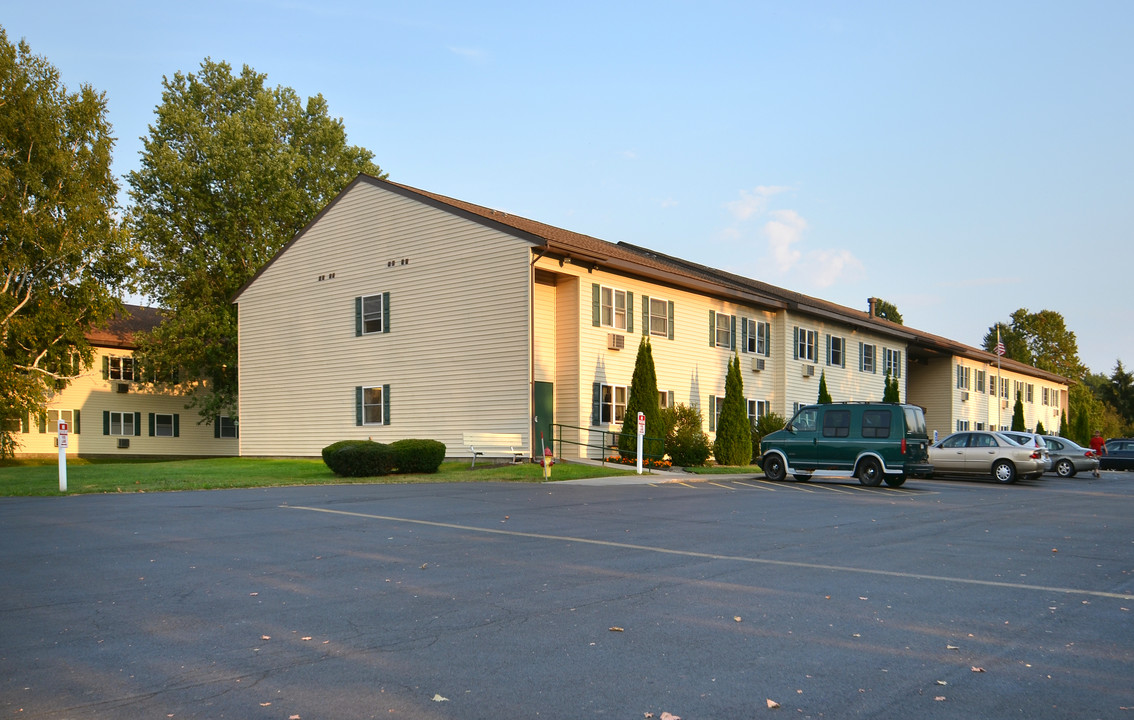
(802, 477)
(870, 472)
(895, 480)
(774, 467)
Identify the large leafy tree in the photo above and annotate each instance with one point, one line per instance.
(63, 260)
(887, 311)
(1040, 339)
(1119, 392)
(230, 171)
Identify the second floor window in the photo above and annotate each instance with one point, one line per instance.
(723, 330)
(614, 308)
(659, 317)
(836, 351)
(805, 344)
(962, 377)
(866, 358)
(893, 360)
(121, 368)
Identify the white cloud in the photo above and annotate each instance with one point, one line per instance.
(783, 232)
(668, 203)
(753, 202)
(829, 266)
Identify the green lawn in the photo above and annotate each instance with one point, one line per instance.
(725, 470)
(41, 477)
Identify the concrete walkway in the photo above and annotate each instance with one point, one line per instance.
(652, 477)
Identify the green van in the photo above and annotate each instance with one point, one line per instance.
(868, 440)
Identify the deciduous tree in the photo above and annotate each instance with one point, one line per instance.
(63, 260)
(230, 171)
(887, 311)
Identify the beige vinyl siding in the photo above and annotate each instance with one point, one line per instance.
(91, 395)
(543, 366)
(568, 393)
(457, 354)
(933, 387)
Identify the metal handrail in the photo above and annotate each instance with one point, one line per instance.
(609, 442)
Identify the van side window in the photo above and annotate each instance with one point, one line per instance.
(805, 420)
(876, 423)
(836, 423)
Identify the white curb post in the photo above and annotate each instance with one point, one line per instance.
(641, 432)
(62, 456)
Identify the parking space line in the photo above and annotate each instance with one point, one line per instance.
(715, 556)
(726, 487)
(754, 486)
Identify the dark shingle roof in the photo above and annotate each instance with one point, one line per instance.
(119, 332)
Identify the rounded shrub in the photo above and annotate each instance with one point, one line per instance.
(417, 456)
(359, 458)
(686, 443)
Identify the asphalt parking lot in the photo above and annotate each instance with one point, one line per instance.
(713, 598)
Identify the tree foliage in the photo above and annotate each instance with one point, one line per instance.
(643, 399)
(891, 393)
(230, 171)
(1119, 392)
(824, 396)
(63, 259)
(1040, 430)
(887, 311)
(1018, 422)
(685, 442)
(733, 445)
(1040, 339)
(767, 423)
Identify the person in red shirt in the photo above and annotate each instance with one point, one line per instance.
(1099, 446)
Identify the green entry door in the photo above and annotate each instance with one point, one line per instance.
(543, 407)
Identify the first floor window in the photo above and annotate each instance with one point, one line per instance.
(372, 405)
(163, 425)
(805, 344)
(612, 405)
(962, 425)
(121, 423)
(980, 426)
(53, 418)
(665, 399)
(757, 409)
(226, 427)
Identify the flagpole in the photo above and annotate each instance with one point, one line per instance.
(999, 382)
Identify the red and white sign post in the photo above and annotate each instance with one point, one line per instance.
(641, 433)
(63, 430)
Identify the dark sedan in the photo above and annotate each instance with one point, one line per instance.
(1118, 454)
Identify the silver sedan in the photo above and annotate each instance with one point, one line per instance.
(1068, 458)
(989, 454)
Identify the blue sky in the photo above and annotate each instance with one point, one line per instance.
(959, 159)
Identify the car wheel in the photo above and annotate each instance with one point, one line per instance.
(1064, 468)
(870, 473)
(774, 468)
(895, 480)
(1004, 471)
(802, 477)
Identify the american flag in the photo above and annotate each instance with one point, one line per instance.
(999, 348)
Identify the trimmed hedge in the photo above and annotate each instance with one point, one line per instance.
(366, 458)
(359, 458)
(418, 456)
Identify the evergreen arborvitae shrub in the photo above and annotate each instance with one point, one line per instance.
(359, 458)
(1064, 429)
(644, 399)
(1039, 428)
(1018, 415)
(417, 456)
(824, 396)
(891, 392)
(733, 445)
(685, 441)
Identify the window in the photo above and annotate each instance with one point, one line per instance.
(876, 423)
(12, 425)
(836, 423)
(892, 360)
(121, 368)
(372, 314)
(225, 427)
(372, 405)
(121, 423)
(1004, 388)
(1046, 396)
(992, 385)
(613, 308)
(612, 404)
(659, 317)
(805, 420)
(962, 377)
(715, 404)
(722, 326)
(866, 358)
(1055, 398)
(958, 441)
(980, 426)
(979, 383)
(1029, 392)
(757, 409)
(163, 425)
(53, 418)
(805, 341)
(756, 337)
(665, 398)
(836, 351)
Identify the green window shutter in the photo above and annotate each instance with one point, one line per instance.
(629, 312)
(828, 349)
(712, 329)
(385, 404)
(358, 316)
(732, 334)
(105, 367)
(743, 335)
(105, 422)
(645, 314)
(795, 344)
(874, 354)
(596, 305)
(75, 422)
(385, 312)
(596, 403)
(137, 424)
(861, 359)
(898, 364)
(358, 405)
(843, 359)
(42, 420)
(152, 423)
(176, 425)
(216, 426)
(670, 319)
(25, 423)
(712, 413)
(768, 340)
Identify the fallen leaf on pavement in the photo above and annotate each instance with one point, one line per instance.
(265, 637)
(977, 669)
(437, 698)
(669, 716)
(736, 618)
(772, 704)
(618, 629)
(942, 682)
(952, 647)
(305, 637)
(940, 698)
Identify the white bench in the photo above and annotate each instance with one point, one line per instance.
(485, 444)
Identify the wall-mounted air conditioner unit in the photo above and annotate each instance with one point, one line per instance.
(808, 371)
(615, 342)
(965, 396)
(758, 364)
(123, 443)
(122, 387)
